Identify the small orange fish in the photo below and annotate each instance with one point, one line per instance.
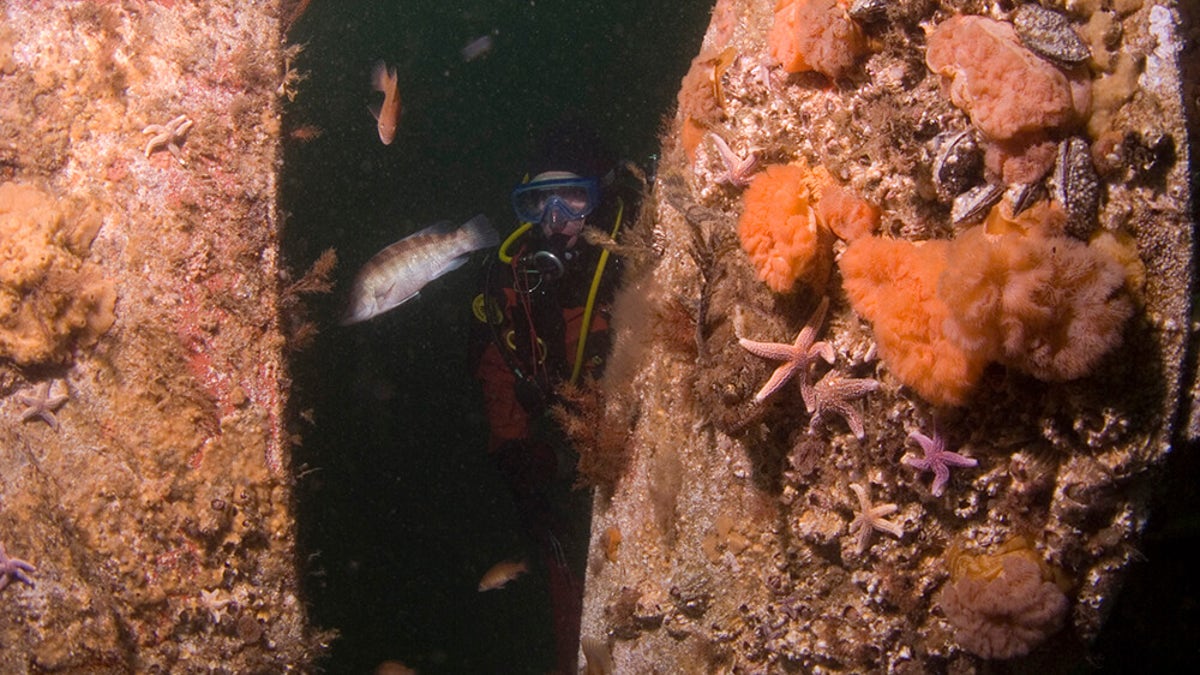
(387, 115)
(501, 573)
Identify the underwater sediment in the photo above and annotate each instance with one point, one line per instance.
(891, 383)
(143, 455)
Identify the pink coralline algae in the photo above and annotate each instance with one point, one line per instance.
(1006, 89)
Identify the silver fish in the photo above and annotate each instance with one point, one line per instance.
(397, 273)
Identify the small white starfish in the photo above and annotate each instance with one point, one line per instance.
(43, 402)
(738, 171)
(215, 605)
(870, 518)
(169, 135)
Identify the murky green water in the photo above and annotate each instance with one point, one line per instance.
(401, 510)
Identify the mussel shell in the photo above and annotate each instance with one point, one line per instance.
(1048, 33)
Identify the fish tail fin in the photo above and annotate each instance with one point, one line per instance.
(383, 78)
(479, 233)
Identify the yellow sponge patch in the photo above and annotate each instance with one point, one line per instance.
(51, 299)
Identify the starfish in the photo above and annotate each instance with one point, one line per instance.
(937, 459)
(738, 171)
(212, 602)
(796, 357)
(43, 403)
(169, 135)
(870, 518)
(833, 394)
(13, 568)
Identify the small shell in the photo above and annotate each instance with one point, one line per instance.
(867, 11)
(1148, 155)
(1077, 187)
(958, 162)
(1048, 33)
(972, 205)
(1024, 195)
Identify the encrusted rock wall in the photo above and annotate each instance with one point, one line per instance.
(732, 534)
(144, 504)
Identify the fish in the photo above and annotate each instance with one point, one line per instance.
(387, 115)
(501, 573)
(476, 48)
(397, 273)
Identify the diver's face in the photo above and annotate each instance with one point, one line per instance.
(556, 221)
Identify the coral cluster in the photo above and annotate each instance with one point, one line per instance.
(814, 35)
(1049, 306)
(51, 299)
(1003, 604)
(982, 64)
(893, 284)
(780, 230)
(701, 99)
(968, 270)
(1041, 302)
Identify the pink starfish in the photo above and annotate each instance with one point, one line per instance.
(797, 357)
(43, 403)
(738, 171)
(833, 394)
(937, 459)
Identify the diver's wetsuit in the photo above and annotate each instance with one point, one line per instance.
(520, 356)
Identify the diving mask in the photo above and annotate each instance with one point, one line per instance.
(556, 199)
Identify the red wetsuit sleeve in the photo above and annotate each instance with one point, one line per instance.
(507, 419)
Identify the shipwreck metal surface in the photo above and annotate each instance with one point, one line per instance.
(725, 542)
(155, 508)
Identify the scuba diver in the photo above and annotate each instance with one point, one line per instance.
(542, 320)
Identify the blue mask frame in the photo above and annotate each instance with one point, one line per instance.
(574, 197)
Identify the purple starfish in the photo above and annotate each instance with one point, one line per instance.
(797, 357)
(937, 459)
(13, 568)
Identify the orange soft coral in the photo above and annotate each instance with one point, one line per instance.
(1005, 88)
(893, 284)
(814, 35)
(700, 96)
(779, 228)
(1048, 305)
(848, 215)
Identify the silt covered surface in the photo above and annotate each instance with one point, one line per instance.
(724, 536)
(142, 454)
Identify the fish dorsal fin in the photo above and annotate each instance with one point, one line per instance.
(440, 227)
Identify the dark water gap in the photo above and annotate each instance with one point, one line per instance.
(400, 510)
